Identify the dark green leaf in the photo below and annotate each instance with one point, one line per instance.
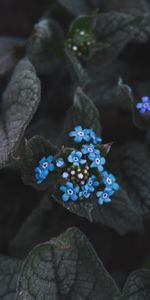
(85, 22)
(83, 112)
(36, 148)
(9, 270)
(45, 46)
(19, 104)
(66, 267)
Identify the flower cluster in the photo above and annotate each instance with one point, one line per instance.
(81, 42)
(144, 105)
(81, 170)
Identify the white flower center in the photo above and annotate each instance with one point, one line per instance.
(75, 158)
(45, 165)
(70, 192)
(109, 181)
(80, 133)
(97, 161)
(90, 149)
(105, 195)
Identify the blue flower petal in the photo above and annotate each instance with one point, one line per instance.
(65, 197)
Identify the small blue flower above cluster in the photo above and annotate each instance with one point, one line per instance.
(45, 165)
(69, 192)
(81, 171)
(80, 134)
(144, 105)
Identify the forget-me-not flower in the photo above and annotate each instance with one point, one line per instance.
(93, 137)
(69, 192)
(98, 161)
(75, 157)
(87, 149)
(80, 134)
(110, 181)
(85, 192)
(92, 183)
(144, 105)
(104, 196)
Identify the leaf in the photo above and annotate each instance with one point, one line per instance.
(107, 88)
(65, 267)
(128, 6)
(36, 148)
(137, 286)
(131, 163)
(78, 73)
(76, 7)
(83, 112)
(45, 47)
(9, 269)
(19, 104)
(113, 31)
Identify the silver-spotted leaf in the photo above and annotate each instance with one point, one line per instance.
(9, 270)
(66, 267)
(19, 103)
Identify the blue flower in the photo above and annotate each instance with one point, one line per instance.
(80, 134)
(60, 162)
(40, 174)
(98, 161)
(87, 149)
(69, 192)
(144, 106)
(110, 181)
(45, 165)
(93, 136)
(75, 157)
(104, 196)
(85, 192)
(92, 183)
